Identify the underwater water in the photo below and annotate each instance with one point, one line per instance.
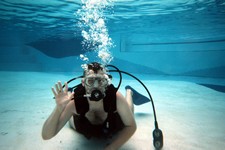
(175, 47)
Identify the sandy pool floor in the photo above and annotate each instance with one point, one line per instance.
(191, 116)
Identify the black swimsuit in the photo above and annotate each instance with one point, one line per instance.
(111, 125)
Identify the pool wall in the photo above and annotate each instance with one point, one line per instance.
(190, 58)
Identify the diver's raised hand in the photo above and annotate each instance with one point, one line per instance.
(62, 96)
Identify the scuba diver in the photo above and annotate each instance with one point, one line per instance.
(95, 108)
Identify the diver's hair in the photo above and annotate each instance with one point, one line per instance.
(95, 66)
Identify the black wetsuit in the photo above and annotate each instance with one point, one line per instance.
(111, 125)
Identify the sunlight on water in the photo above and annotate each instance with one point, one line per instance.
(94, 30)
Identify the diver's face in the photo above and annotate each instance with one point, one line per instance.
(94, 81)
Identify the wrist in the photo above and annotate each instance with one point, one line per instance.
(59, 108)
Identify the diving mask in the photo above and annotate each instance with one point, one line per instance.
(100, 80)
(96, 85)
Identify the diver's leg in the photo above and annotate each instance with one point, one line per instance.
(129, 99)
(138, 99)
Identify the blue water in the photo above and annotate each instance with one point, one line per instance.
(182, 38)
(176, 47)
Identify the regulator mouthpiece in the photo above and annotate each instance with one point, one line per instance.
(96, 95)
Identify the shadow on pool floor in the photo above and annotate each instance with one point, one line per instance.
(219, 88)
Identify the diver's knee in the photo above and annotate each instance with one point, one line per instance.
(129, 92)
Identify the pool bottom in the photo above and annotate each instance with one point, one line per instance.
(190, 115)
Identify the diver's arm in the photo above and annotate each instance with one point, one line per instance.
(128, 119)
(60, 114)
(50, 126)
(57, 120)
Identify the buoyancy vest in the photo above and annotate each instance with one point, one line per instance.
(112, 124)
(81, 102)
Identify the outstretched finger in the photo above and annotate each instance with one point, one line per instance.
(60, 86)
(66, 87)
(57, 88)
(53, 91)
